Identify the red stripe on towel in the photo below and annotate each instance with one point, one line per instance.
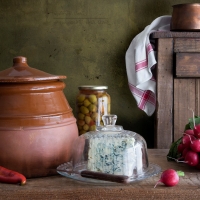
(145, 97)
(140, 65)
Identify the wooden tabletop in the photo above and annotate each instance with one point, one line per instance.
(59, 187)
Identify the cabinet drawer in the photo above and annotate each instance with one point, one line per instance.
(186, 45)
(187, 65)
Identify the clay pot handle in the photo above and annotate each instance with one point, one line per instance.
(20, 61)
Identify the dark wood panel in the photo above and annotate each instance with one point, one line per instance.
(173, 34)
(163, 135)
(184, 101)
(197, 97)
(186, 45)
(188, 65)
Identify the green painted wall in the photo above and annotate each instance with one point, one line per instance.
(85, 40)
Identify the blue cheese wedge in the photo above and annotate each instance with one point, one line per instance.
(112, 155)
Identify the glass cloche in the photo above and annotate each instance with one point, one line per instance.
(109, 154)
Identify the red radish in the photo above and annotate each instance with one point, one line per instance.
(180, 148)
(189, 132)
(185, 151)
(187, 140)
(195, 145)
(192, 158)
(197, 130)
(169, 177)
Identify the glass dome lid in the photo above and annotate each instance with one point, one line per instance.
(111, 154)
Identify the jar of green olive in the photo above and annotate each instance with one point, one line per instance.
(92, 103)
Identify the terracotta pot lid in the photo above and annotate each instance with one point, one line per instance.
(21, 72)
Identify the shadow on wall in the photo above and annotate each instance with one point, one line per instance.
(145, 13)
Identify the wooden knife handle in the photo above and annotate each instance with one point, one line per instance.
(105, 176)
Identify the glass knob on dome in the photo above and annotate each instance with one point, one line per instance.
(109, 119)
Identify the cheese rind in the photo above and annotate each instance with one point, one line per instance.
(112, 155)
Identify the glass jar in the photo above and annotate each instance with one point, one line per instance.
(92, 103)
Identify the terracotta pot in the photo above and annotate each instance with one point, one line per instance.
(186, 17)
(37, 126)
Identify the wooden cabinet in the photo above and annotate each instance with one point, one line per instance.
(178, 84)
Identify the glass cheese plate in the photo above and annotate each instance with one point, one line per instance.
(66, 170)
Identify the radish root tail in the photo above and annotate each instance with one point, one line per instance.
(189, 137)
(177, 160)
(157, 183)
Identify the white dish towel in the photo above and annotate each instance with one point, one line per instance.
(140, 60)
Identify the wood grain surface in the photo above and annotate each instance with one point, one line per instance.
(187, 65)
(164, 115)
(174, 34)
(59, 187)
(187, 45)
(184, 100)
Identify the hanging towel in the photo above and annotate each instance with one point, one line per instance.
(140, 60)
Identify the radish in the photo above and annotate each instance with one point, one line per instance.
(195, 145)
(187, 140)
(189, 132)
(180, 148)
(197, 130)
(185, 151)
(169, 177)
(191, 158)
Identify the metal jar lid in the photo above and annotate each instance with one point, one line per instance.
(92, 87)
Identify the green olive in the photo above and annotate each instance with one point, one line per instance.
(81, 116)
(86, 127)
(86, 102)
(80, 122)
(82, 132)
(92, 98)
(92, 108)
(88, 119)
(84, 110)
(94, 116)
(92, 128)
(81, 98)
